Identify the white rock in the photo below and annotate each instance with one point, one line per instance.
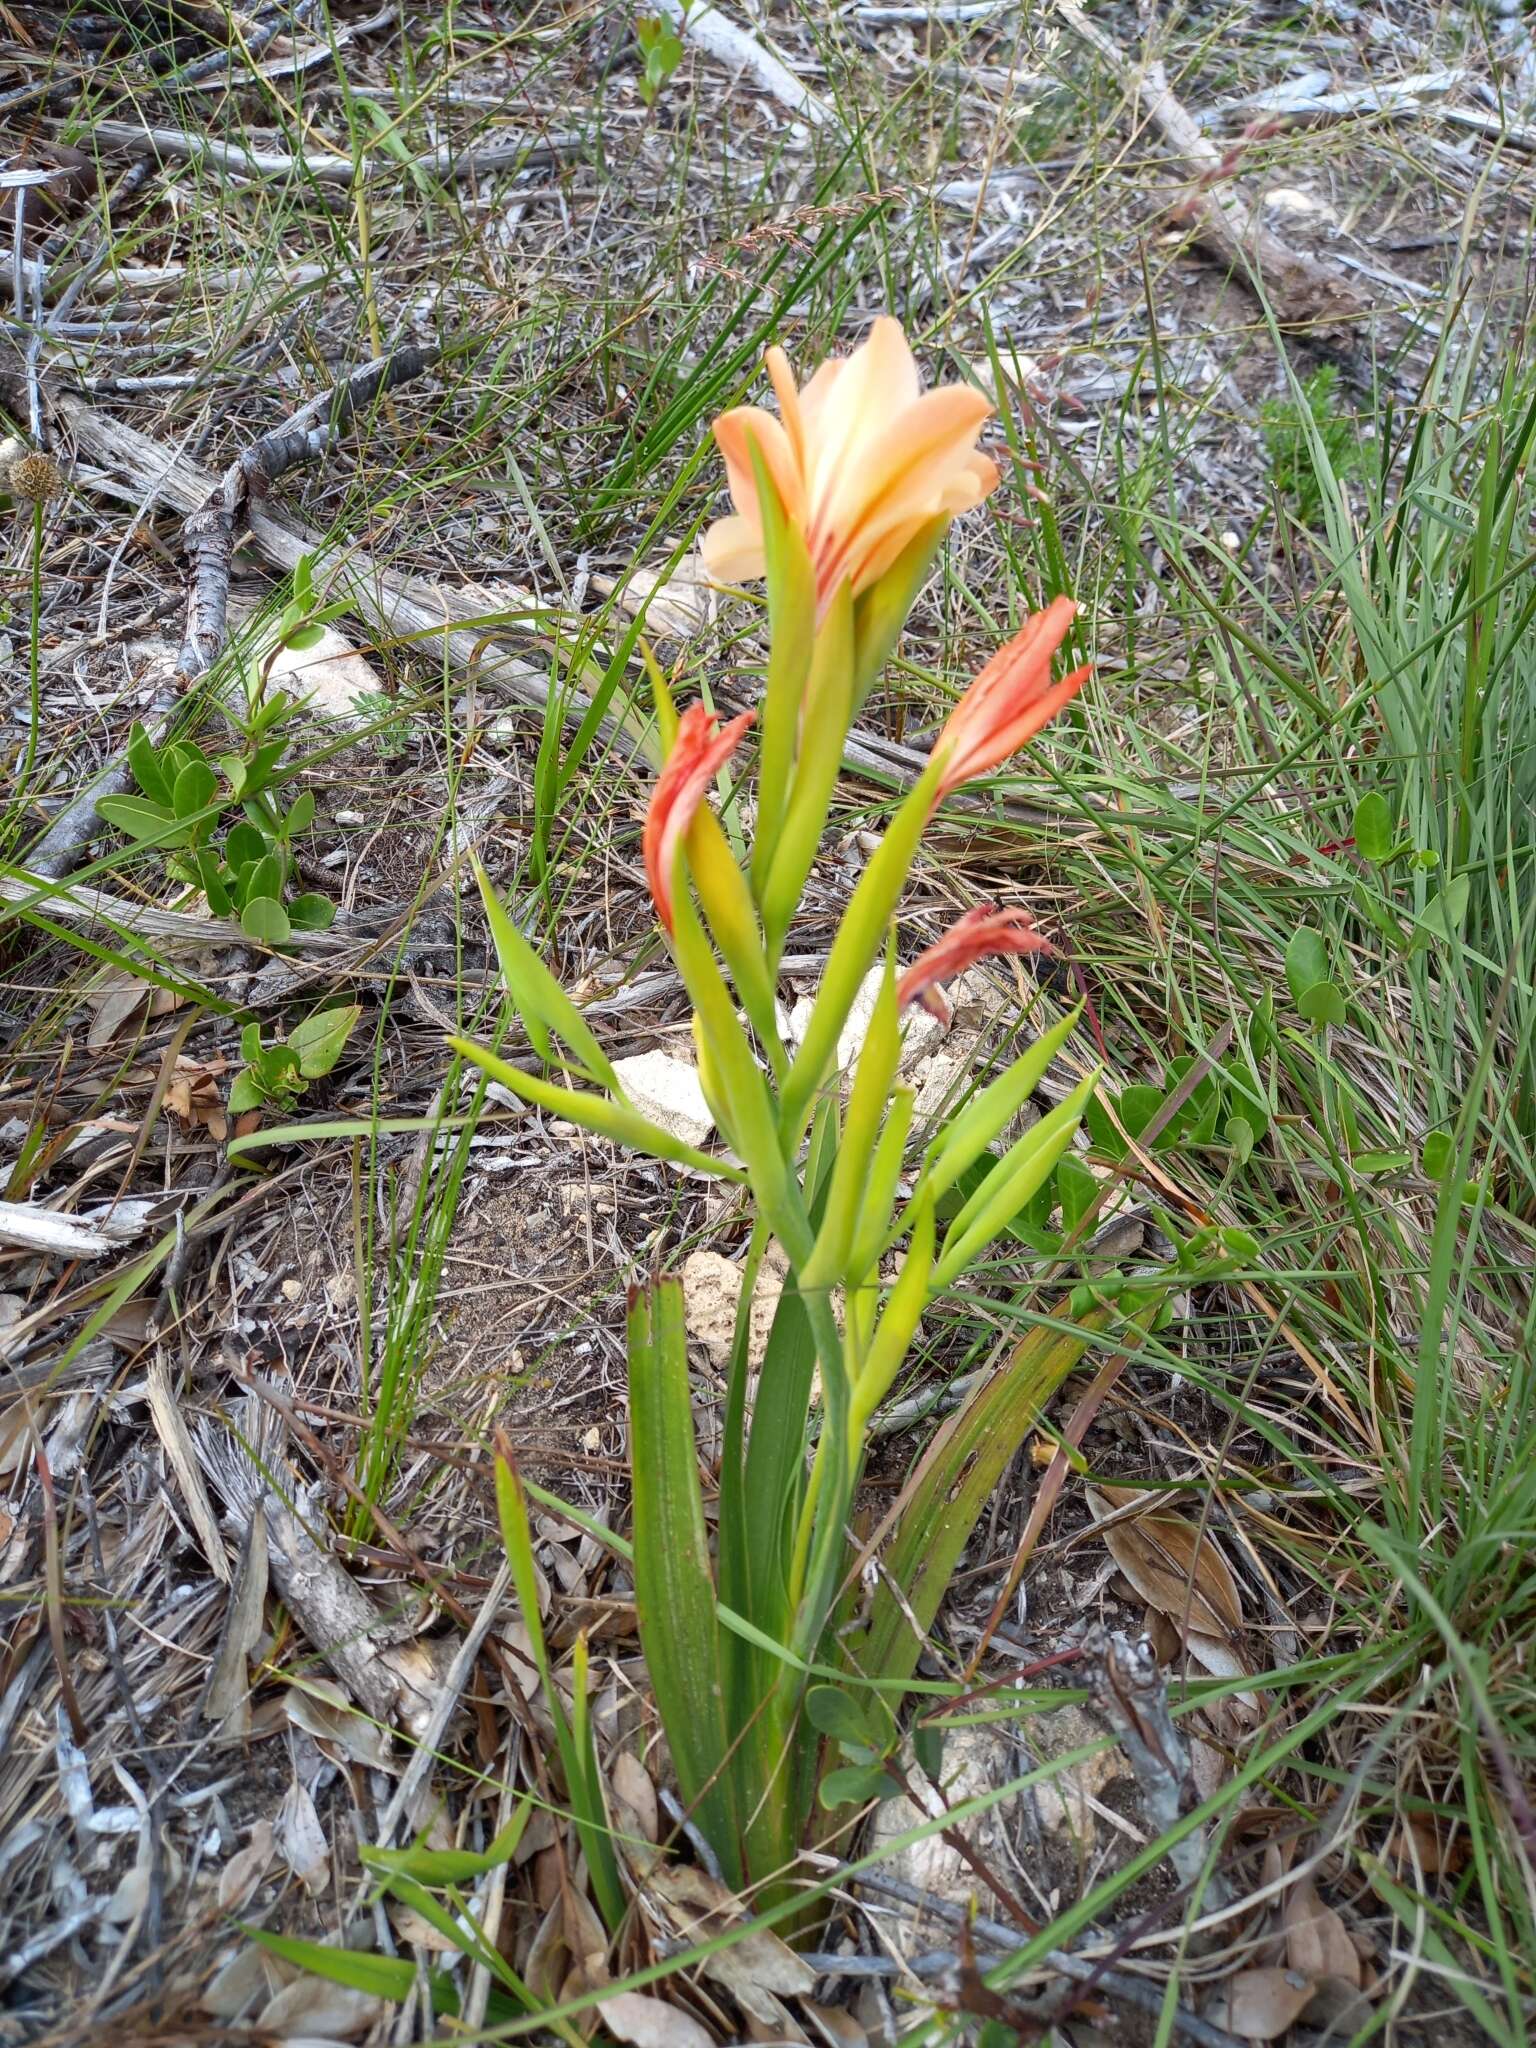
(976, 1761)
(1065, 1801)
(920, 1030)
(1290, 201)
(667, 1090)
(329, 676)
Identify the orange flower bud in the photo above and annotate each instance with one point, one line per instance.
(1010, 700)
(980, 935)
(698, 754)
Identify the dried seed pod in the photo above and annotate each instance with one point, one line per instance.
(35, 477)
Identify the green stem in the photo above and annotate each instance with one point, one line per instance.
(29, 759)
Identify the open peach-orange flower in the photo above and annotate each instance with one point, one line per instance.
(1010, 700)
(862, 459)
(981, 934)
(698, 754)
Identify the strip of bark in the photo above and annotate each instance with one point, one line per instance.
(1130, 1693)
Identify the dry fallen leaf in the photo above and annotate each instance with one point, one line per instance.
(1174, 1566)
(758, 1968)
(651, 2022)
(1317, 1943)
(840, 2029)
(16, 1424)
(192, 1093)
(1417, 1843)
(324, 1711)
(1261, 2005)
(632, 1786)
(312, 2009)
(246, 1868)
(301, 1841)
(250, 1973)
(120, 996)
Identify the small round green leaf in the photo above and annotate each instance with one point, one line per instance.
(149, 823)
(265, 920)
(311, 912)
(319, 1041)
(1435, 1156)
(833, 1713)
(1323, 1003)
(1306, 962)
(196, 788)
(1381, 1162)
(854, 1784)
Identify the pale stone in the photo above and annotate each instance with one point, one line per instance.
(667, 1090)
(1064, 1802)
(712, 1293)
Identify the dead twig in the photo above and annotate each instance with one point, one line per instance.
(447, 161)
(1129, 1690)
(718, 36)
(1141, 1992)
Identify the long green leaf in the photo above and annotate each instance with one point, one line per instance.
(582, 1782)
(1020, 1173)
(541, 1002)
(674, 1591)
(767, 1688)
(615, 1120)
(953, 1484)
(392, 1977)
(972, 1130)
(451, 1866)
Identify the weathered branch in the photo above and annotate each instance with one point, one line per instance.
(448, 161)
(1089, 1970)
(718, 36)
(1302, 291)
(209, 532)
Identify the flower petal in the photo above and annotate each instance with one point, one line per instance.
(732, 549)
(983, 933)
(876, 384)
(735, 432)
(904, 466)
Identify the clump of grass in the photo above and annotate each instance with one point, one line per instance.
(1289, 423)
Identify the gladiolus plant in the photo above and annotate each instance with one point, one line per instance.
(773, 1682)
